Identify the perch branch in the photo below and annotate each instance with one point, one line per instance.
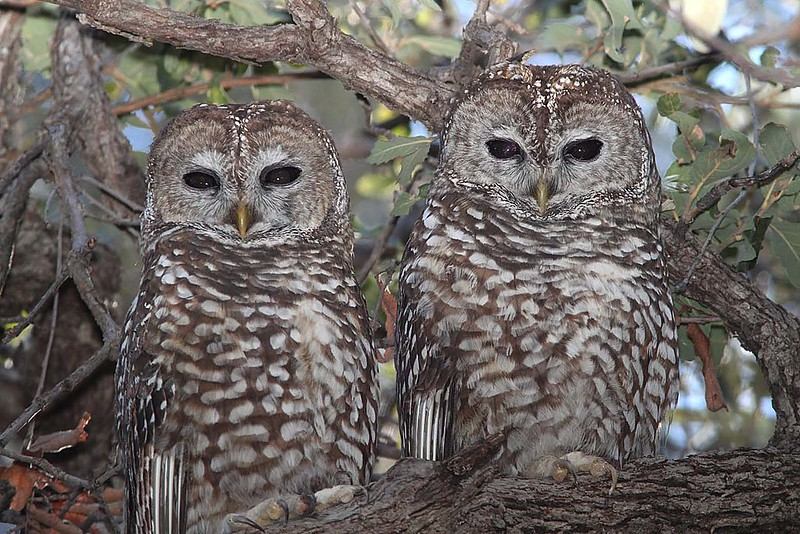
(743, 490)
(312, 39)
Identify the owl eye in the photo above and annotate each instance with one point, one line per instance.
(583, 149)
(201, 180)
(504, 149)
(279, 176)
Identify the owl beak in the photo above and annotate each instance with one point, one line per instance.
(542, 194)
(243, 219)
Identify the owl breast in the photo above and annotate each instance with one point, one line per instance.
(561, 331)
(271, 368)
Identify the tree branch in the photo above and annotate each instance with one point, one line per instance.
(744, 490)
(764, 327)
(60, 390)
(724, 187)
(313, 39)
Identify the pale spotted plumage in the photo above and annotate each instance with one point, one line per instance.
(555, 323)
(247, 366)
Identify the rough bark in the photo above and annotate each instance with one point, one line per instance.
(736, 491)
(78, 86)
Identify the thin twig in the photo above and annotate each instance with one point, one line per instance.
(312, 39)
(179, 93)
(761, 179)
(47, 468)
(731, 53)
(60, 390)
(21, 162)
(77, 263)
(113, 193)
(380, 243)
(681, 286)
(51, 336)
(699, 320)
(367, 24)
(24, 322)
(651, 73)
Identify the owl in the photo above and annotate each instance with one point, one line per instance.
(533, 296)
(247, 365)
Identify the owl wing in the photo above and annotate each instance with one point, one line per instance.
(426, 389)
(155, 490)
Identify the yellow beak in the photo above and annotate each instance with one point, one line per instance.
(242, 219)
(542, 195)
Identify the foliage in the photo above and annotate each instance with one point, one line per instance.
(710, 122)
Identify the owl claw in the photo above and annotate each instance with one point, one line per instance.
(570, 465)
(281, 510)
(594, 465)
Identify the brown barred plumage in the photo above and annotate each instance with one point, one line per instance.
(533, 293)
(247, 367)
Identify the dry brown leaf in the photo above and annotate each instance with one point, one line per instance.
(58, 441)
(23, 479)
(702, 347)
(389, 306)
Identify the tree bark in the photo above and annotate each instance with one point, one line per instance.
(736, 491)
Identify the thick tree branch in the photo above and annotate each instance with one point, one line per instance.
(764, 327)
(744, 490)
(78, 86)
(313, 39)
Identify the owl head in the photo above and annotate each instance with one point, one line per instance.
(560, 142)
(245, 171)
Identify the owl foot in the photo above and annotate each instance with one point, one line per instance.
(575, 462)
(284, 508)
(594, 465)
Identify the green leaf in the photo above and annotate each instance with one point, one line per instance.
(562, 37)
(776, 142)
(756, 229)
(249, 13)
(622, 15)
(669, 104)
(410, 164)
(394, 10)
(37, 32)
(135, 121)
(438, 46)
(389, 149)
(375, 185)
(217, 95)
(403, 203)
(769, 57)
(712, 163)
(430, 4)
(672, 28)
(784, 240)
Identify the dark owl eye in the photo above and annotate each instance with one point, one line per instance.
(201, 180)
(583, 149)
(503, 149)
(279, 176)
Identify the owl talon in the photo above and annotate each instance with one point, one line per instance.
(281, 510)
(594, 465)
(552, 467)
(341, 494)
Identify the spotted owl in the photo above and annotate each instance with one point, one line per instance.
(247, 365)
(533, 295)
